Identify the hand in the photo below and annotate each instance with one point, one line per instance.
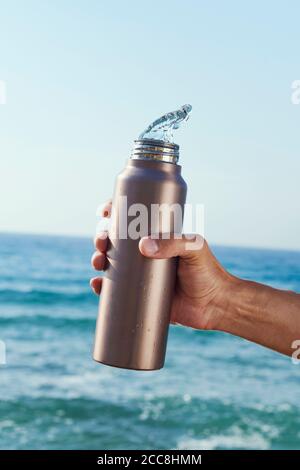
(202, 284)
(208, 297)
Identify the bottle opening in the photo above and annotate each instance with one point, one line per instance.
(151, 149)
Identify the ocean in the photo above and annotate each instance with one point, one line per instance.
(215, 392)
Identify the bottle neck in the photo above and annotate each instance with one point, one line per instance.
(155, 150)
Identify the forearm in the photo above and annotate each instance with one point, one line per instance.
(261, 314)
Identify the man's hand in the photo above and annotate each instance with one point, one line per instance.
(208, 297)
(202, 284)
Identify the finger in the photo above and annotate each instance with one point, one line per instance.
(98, 261)
(101, 241)
(105, 210)
(187, 246)
(96, 284)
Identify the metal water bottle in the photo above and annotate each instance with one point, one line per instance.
(137, 292)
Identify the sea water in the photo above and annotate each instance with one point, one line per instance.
(215, 392)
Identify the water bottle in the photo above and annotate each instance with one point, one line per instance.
(137, 292)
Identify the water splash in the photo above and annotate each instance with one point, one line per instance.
(162, 128)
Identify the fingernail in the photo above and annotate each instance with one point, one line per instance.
(150, 246)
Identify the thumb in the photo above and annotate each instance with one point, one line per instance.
(186, 246)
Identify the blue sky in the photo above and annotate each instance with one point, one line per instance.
(84, 78)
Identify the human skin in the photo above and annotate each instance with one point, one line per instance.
(207, 297)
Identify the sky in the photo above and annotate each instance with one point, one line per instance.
(84, 78)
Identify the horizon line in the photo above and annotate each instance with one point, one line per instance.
(91, 237)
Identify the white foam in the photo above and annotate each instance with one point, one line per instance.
(233, 441)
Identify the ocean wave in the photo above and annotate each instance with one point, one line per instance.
(44, 296)
(235, 441)
(216, 391)
(47, 320)
(165, 423)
